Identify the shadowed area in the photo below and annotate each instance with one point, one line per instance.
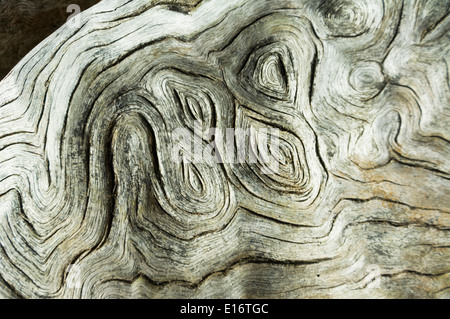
(25, 23)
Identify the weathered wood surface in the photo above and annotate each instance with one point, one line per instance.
(93, 206)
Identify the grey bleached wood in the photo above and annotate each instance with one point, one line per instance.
(93, 206)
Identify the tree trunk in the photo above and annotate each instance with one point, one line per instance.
(244, 149)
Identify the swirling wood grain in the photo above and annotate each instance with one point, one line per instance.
(92, 204)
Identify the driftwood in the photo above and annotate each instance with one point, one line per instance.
(93, 203)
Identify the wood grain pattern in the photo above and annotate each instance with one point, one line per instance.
(92, 204)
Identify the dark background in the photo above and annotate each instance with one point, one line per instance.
(25, 23)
